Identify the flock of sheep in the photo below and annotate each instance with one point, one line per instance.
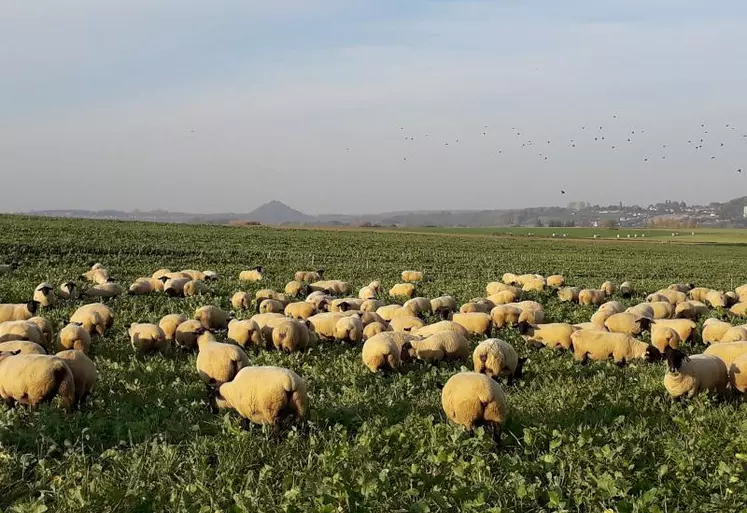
(312, 309)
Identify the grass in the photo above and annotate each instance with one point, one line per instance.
(579, 438)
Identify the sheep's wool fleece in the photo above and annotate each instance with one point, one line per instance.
(470, 398)
(702, 372)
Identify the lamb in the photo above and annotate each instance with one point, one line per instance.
(591, 297)
(443, 304)
(18, 312)
(714, 330)
(663, 337)
(74, 336)
(555, 281)
(471, 399)
(402, 290)
(309, 276)
(412, 276)
(554, 335)
(300, 310)
(44, 295)
(84, 373)
(246, 333)
(22, 347)
(626, 289)
(608, 288)
(600, 345)
(196, 288)
(373, 329)
(21, 330)
(266, 395)
(408, 324)
(218, 363)
(296, 289)
(716, 299)
(212, 317)
(474, 323)
(187, 333)
(569, 294)
(241, 301)
(685, 328)
(68, 290)
(169, 324)
(175, 287)
(381, 353)
(432, 329)
(627, 323)
(252, 275)
(688, 376)
(35, 378)
(497, 358)
(440, 346)
(146, 338)
(46, 329)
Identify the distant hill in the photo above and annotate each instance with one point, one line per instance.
(276, 212)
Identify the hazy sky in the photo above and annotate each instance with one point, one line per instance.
(223, 105)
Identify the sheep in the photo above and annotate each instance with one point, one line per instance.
(18, 312)
(196, 288)
(267, 323)
(105, 290)
(642, 310)
(367, 292)
(45, 328)
(475, 323)
(419, 306)
(381, 353)
(503, 297)
(738, 374)
(685, 328)
(211, 275)
(716, 299)
(412, 276)
(569, 294)
(320, 301)
(663, 337)
(688, 376)
(626, 289)
(739, 309)
(690, 310)
(68, 290)
(142, 287)
(186, 334)
(477, 305)
(22, 346)
(409, 324)
(698, 293)
(741, 290)
(714, 330)
(388, 312)
(657, 297)
(681, 287)
(212, 317)
(324, 323)
(175, 287)
(271, 306)
(613, 306)
(443, 304)
(495, 287)
(599, 318)
(160, 274)
(345, 304)
(246, 333)
(600, 345)
(290, 335)
(510, 278)
(35, 378)
(371, 305)
(74, 336)
(534, 285)
(727, 351)
(555, 281)
(373, 329)
(731, 298)
(309, 276)
(441, 346)
(218, 363)
(44, 295)
(530, 314)
(349, 329)
(300, 310)
(673, 296)
(370, 318)
(7, 268)
(195, 275)
(241, 301)
(734, 334)
(296, 289)
(265, 395)
(169, 324)
(96, 276)
(591, 297)
(554, 335)
(588, 326)
(21, 330)
(497, 358)
(608, 288)
(146, 338)
(627, 323)
(84, 372)
(662, 309)
(96, 318)
(471, 399)
(252, 275)
(332, 287)
(402, 290)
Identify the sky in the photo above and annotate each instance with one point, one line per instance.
(351, 106)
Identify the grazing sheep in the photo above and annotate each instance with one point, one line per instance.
(412, 276)
(104, 290)
(161, 273)
(731, 298)
(662, 309)
(332, 287)
(402, 290)
(381, 353)
(290, 335)
(627, 323)
(21, 330)
(267, 323)
(534, 285)
(600, 345)
(169, 324)
(68, 290)
(367, 292)
(497, 358)
(495, 287)
(187, 333)
(211, 276)
(271, 306)
(175, 287)
(96, 276)
(241, 301)
(84, 372)
(503, 315)
(252, 275)
(46, 329)
(475, 323)
(642, 310)
(734, 334)
(371, 305)
(345, 304)
(503, 297)
(716, 299)
(196, 288)
(554, 335)
(320, 301)
(714, 330)
(591, 297)
(370, 318)
(213, 318)
(663, 337)
(195, 275)
(296, 289)
(532, 315)
(685, 328)
(18, 312)
(555, 281)
(588, 326)
(432, 329)
(699, 293)
(388, 312)
(739, 309)
(246, 333)
(146, 338)
(96, 318)
(477, 306)
(143, 286)
(373, 329)
(626, 289)
(409, 324)
(727, 351)
(608, 288)
(738, 374)
(349, 329)
(471, 399)
(688, 376)
(22, 346)
(266, 395)
(510, 279)
(218, 363)
(309, 276)
(681, 287)
(690, 310)
(419, 306)
(35, 378)
(444, 345)
(300, 310)
(673, 296)
(44, 295)
(443, 304)
(569, 294)
(74, 336)
(599, 318)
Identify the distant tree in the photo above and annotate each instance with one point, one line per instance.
(569, 224)
(539, 224)
(609, 223)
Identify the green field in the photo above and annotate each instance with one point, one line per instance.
(578, 438)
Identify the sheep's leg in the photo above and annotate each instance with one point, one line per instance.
(536, 345)
(246, 425)
(10, 402)
(496, 429)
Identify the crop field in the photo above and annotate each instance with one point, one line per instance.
(578, 438)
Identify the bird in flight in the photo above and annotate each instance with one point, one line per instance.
(562, 191)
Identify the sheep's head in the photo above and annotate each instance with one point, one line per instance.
(32, 306)
(675, 357)
(343, 306)
(644, 323)
(523, 327)
(519, 372)
(407, 352)
(8, 354)
(45, 288)
(652, 354)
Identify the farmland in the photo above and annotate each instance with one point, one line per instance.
(578, 438)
